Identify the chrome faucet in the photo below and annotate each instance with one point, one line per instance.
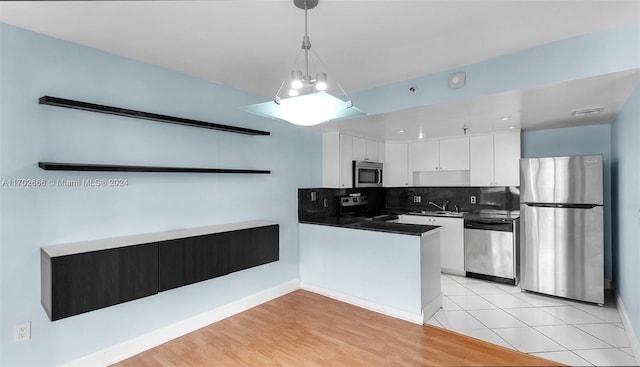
(443, 207)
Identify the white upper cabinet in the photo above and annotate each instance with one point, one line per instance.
(396, 165)
(359, 149)
(338, 153)
(507, 159)
(495, 160)
(365, 150)
(450, 154)
(481, 149)
(454, 154)
(331, 160)
(346, 162)
(425, 155)
(372, 151)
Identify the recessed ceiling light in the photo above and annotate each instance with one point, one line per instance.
(512, 126)
(420, 135)
(401, 131)
(505, 118)
(587, 111)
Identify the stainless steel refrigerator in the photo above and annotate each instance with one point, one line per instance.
(561, 220)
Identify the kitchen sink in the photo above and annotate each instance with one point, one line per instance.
(440, 213)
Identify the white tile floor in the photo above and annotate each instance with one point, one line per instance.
(569, 332)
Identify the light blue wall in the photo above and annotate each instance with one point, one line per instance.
(584, 140)
(34, 65)
(625, 149)
(593, 54)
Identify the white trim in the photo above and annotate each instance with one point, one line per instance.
(389, 311)
(430, 309)
(633, 339)
(147, 341)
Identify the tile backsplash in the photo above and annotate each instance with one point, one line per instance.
(393, 199)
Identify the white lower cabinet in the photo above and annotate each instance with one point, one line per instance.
(451, 240)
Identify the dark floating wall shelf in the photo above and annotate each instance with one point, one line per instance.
(68, 103)
(55, 166)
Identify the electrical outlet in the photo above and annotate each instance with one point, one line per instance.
(313, 196)
(473, 200)
(325, 203)
(22, 332)
(417, 199)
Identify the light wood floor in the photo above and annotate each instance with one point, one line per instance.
(306, 329)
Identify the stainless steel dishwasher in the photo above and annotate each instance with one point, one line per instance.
(491, 248)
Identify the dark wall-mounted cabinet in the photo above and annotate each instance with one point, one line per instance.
(252, 247)
(191, 260)
(89, 280)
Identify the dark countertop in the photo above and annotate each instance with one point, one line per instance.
(368, 224)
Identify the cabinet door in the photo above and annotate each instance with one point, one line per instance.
(93, 280)
(381, 152)
(253, 247)
(425, 156)
(451, 245)
(454, 154)
(189, 260)
(331, 160)
(371, 151)
(451, 240)
(507, 159)
(481, 160)
(395, 172)
(359, 149)
(346, 161)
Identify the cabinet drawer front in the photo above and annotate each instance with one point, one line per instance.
(190, 260)
(253, 247)
(93, 280)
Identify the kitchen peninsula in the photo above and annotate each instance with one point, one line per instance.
(386, 267)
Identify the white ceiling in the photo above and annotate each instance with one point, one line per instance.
(532, 109)
(250, 45)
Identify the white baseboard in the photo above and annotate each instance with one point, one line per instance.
(631, 335)
(147, 341)
(430, 309)
(389, 311)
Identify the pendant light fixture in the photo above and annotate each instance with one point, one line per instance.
(307, 102)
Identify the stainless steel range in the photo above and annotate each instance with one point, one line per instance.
(491, 245)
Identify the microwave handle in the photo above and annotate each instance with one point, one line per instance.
(379, 176)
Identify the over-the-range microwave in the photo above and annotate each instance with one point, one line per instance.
(367, 174)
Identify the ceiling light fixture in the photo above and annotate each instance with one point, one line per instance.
(401, 131)
(308, 103)
(587, 111)
(505, 118)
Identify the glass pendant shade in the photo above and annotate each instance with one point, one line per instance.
(308, 104)
(306, 110)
